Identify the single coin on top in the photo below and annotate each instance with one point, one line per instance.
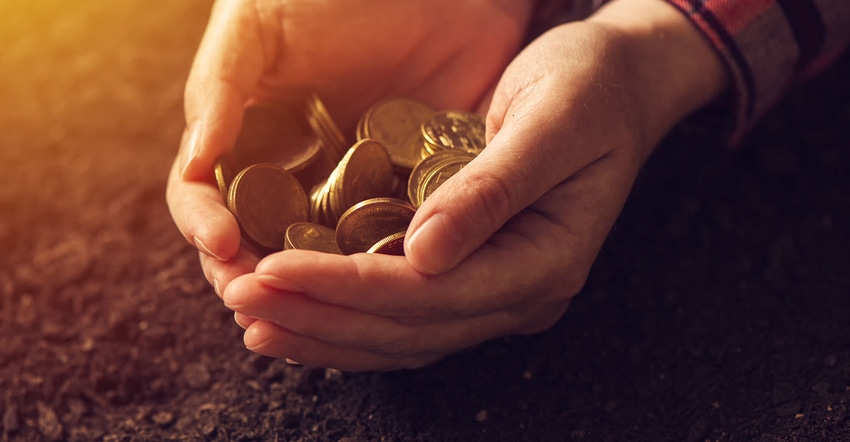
(278, 134)
(364, 172)
(424, 171)
(390, 245)
(311, 236)
(370, 221)
(454, 130)
(439, 175)
(266, 200)
(396, 124)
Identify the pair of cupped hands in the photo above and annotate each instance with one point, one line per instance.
(500, 248)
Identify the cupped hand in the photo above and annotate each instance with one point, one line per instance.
(504, 244)
(501, 247)
(352, 53)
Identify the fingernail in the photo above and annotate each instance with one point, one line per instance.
(192, 148)
(217, 290)
(292, 362)
(243, 321)
(279, 283)
(203, 248)
(435, 245)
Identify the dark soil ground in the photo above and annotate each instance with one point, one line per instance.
(718, 309)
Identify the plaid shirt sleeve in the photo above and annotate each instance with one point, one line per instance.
(768, 44)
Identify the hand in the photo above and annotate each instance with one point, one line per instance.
(351, 52)
(504, 244)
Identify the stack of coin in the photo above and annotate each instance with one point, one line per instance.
(364, 172)
(362, 196)
(325, 128)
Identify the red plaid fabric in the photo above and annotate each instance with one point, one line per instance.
(766, 45)
(769, 44)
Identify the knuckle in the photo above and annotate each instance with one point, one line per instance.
(492, 198)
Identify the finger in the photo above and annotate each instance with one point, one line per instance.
(221, 273)
(346, 327)
(224, 74)
(556, 239)
(234, 52)
(243, 321)
(488, 282)
(530, 152)
(201, 217)
(268, 339)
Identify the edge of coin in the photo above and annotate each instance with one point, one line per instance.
(390, 245)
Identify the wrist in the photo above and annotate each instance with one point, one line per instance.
(676, 69)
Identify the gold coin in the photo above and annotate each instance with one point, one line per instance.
(455, 130)
(439, 174)
(369, 221)
(360, 131)
(320, 212)
(315, 173)
(364, 172)
(311, 236)
(396, 124)
(390, 245)
(334, 142)
(404, 150)
(333, 197)
(426, 167)
(426, 151)
(328, 217)
(224, 173)
(266, 200)
(297, 152)
(315, 202)
(275, 134)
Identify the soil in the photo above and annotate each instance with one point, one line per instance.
(717, 310)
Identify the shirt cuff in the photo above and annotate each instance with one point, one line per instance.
(765, 46)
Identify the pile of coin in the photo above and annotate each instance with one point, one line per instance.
(362, 195)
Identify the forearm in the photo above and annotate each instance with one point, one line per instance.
(763, 46)
(676, 69)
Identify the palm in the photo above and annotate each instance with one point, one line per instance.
(355, 52)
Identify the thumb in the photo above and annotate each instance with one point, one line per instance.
(227, 67)
(529, 155)
(225, 72)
